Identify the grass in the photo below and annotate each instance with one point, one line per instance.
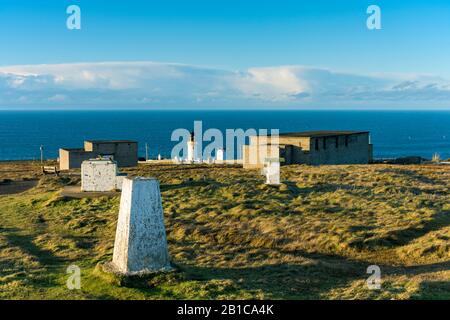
(232, 237)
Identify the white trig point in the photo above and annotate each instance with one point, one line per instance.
(141, 243)
(272, 171)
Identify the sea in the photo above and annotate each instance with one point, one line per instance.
(393, 133)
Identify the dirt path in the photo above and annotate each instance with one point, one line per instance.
(14, 187)
(75, 192)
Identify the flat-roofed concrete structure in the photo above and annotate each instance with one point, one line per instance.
(310, 147)
(124, 152)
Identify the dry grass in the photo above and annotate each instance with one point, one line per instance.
(22, 170)
(231, 236)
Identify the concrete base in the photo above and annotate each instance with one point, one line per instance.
(109, 273)
(112, 269)
(141, 245)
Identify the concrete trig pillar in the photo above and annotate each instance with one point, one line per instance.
(141, 243)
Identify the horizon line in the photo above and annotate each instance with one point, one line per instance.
(225, 109)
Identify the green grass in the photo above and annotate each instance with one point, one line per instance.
(231, 236)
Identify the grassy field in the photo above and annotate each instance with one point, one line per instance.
(231, 236)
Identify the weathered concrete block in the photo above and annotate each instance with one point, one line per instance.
(100, 175)
(272, 171)
(141, 244)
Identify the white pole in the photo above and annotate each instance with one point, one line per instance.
(146, 151)
(42, 154)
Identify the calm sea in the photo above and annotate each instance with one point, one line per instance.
(393, 133)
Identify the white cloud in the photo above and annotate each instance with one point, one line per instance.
(151, 84)
(273, 84)
(57, 98)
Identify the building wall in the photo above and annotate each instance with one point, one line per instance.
(354, 151)
(64, 159)
(69, 159)
(247, 150)
(370, 153)
(253, 155)
(301, 142)
(351, 149)
(125, 153)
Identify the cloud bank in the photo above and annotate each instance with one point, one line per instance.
(170, 85)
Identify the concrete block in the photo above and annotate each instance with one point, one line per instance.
(100, 175)
(141, 245)
(272, 171)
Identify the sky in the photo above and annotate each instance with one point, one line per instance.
(225, 54)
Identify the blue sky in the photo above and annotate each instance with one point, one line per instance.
(225, 54)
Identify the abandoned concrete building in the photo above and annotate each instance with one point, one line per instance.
(312, 148)
(124, 152)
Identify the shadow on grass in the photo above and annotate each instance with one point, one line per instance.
(279, 281)
(25, 243)
(45, 258)
(424, 268)
(405, 236)
(433, 290)
(310, 280)
(189, 184)
(325, 187)
(409, 174)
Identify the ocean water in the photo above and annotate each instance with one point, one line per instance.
(393, 133)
